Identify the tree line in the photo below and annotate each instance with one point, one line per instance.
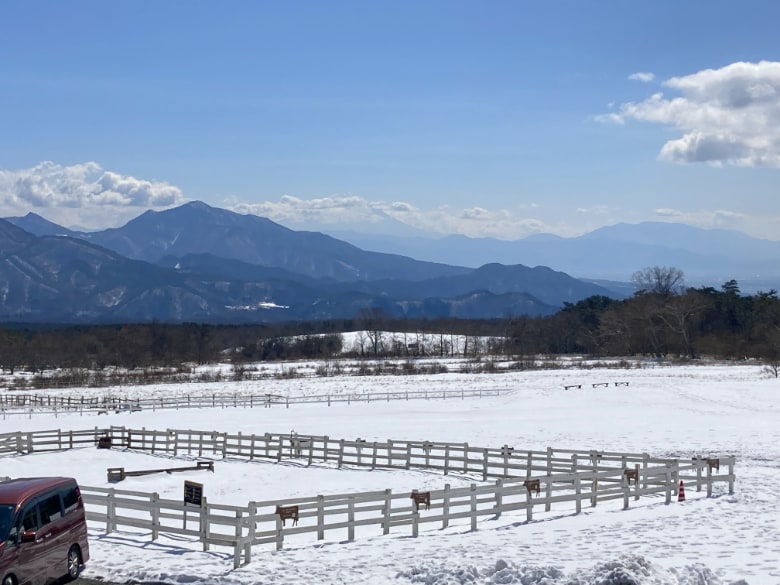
(664, 318)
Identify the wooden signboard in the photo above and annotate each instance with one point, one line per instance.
(193, 493)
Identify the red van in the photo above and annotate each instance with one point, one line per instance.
(43, 530)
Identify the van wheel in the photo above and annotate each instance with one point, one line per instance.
(74, 563)
(9, 580)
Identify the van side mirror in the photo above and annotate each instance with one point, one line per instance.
(28, 536)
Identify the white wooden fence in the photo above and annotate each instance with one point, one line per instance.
(30, 404)
(565, 479)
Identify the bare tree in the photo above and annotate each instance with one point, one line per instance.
(681, 314)
(374, 319)
(662, 280)
(772, 368)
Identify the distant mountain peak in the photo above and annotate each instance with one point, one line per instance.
(40, 226)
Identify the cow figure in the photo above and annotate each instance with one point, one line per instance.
(287, 513)
(533, 485)
(631, 474)
(420, 499)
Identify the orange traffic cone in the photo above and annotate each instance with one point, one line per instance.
(681, 492)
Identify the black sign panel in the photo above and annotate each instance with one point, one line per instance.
(193, 493)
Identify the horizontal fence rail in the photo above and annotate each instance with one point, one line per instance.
(29, 404)
(515, 480)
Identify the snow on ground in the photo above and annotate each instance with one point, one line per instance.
(671, 411)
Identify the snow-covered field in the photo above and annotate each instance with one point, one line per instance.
(670, 411)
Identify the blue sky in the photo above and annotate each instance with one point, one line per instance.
(484, 118)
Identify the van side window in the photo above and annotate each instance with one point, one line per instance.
(50, 509)
(70, 499)
(13, 537)
(8, 524)
(30, 519)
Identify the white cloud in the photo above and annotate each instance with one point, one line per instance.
(727, 116)
(124, 190)
(643, 76)
(327, 210)
(81, 192)
(597, 210)
(352, 212)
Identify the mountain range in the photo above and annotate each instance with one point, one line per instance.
(200, 263)
(612, 253)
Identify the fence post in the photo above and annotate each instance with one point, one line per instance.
(709, 481)
(465, 457)
(351, 518)
(373, 456)
(529, 506)
(499, 496)
(110, 511)
(279, 533)
(636, 485)
(281, 448)
(408, 455)
(415, 516)
(341, 452)
(446, 459)
(668, 480)
(548, 492)
(204, 527)
(320, 517)
(698, 462)
(624, 485)
(529, 464)
(154, 502)
(237, 545)
(325, 440)
(594, 487)
(386, 512)
(473, 507)
(445, 507)
(731, 475)
(484, 464)
(578, 494)
(252, 530)
(645, 464)
(389, 446)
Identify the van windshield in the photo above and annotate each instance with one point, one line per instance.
(6, 517)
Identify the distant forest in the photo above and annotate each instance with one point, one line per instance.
(663, 319)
